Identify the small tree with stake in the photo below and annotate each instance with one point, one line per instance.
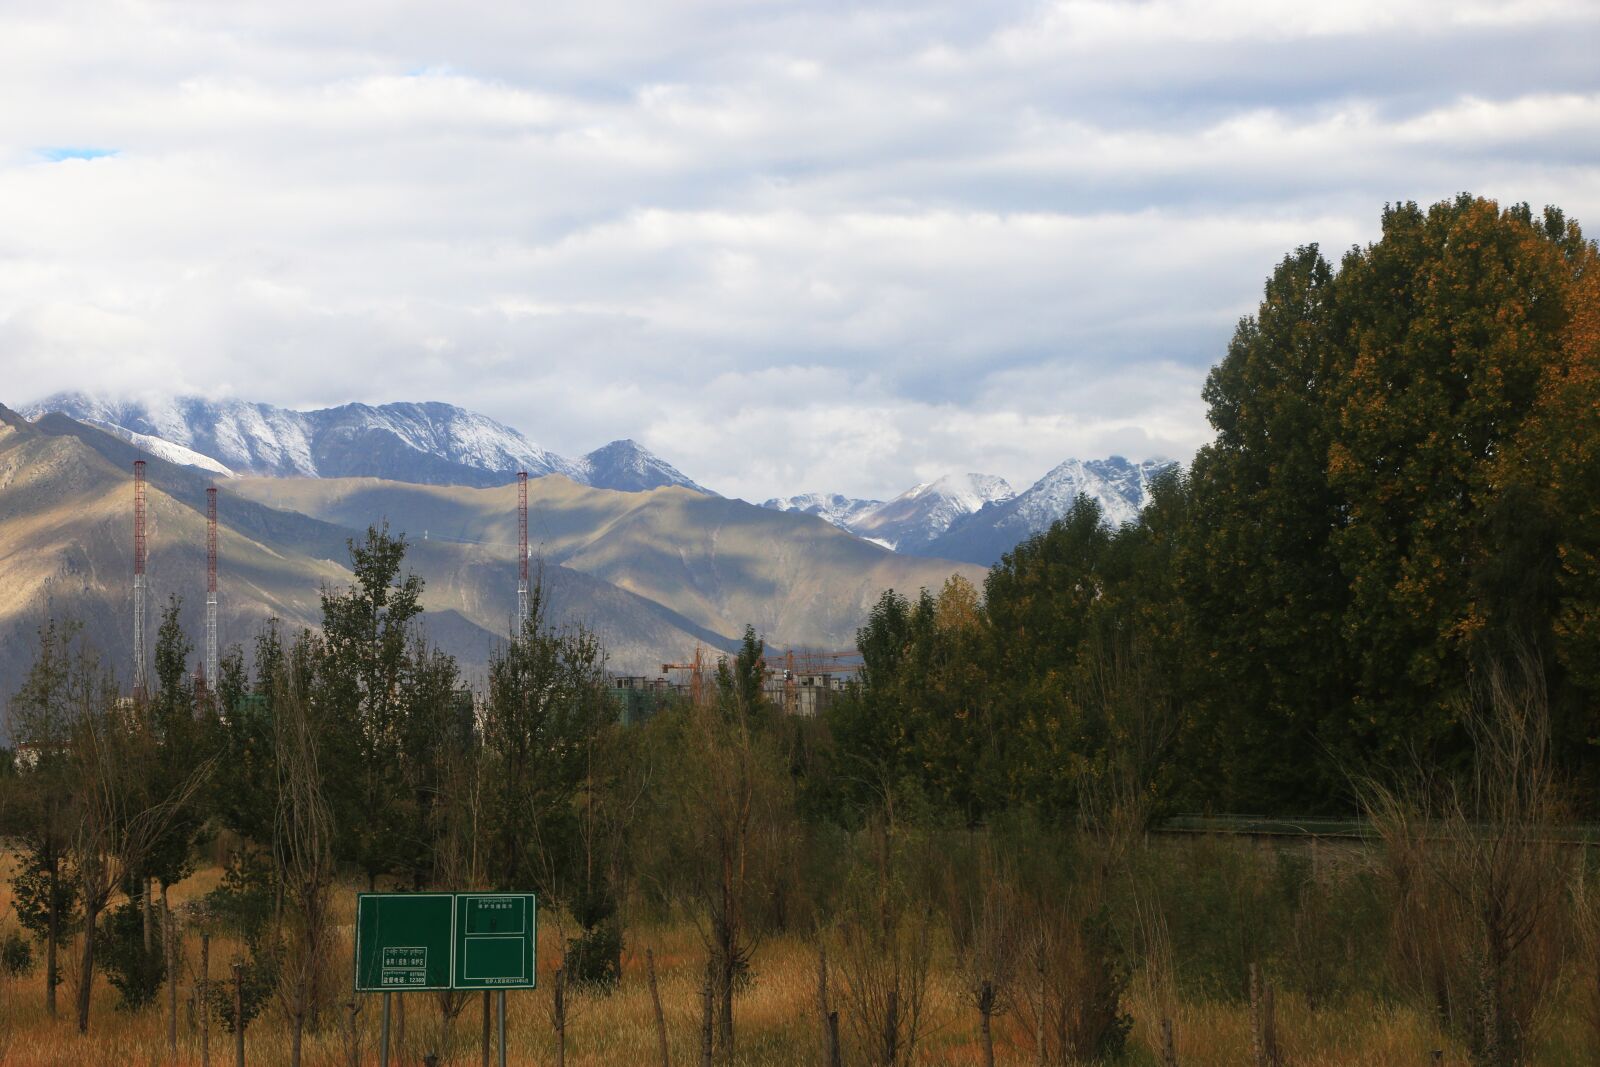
(41, 814)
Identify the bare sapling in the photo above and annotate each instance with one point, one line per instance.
(1475, 872)
(985, 926)
(885, 952)
(1586, 928)
(120, 818)
(303, 856)
(1161, 974)
(1076, 1010)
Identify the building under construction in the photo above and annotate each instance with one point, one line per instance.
(798, 682)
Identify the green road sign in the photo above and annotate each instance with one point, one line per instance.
(495, 936)
(404, 941)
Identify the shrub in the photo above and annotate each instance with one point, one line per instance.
(594, 958)
(136, 974)
(16, 954)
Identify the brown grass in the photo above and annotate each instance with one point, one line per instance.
(775, 1018)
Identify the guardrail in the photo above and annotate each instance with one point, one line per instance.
(1348, 829)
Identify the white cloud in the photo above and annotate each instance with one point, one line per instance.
(789, 245)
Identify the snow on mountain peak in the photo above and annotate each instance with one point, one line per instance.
(431, 443)
(836, 508)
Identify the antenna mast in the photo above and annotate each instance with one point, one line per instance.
(211, 589)
(138, 580)
(522, 548)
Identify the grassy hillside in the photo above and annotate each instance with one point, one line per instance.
(718, 563)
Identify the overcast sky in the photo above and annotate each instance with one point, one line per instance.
(788, 246)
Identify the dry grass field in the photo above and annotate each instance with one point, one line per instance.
(776, 1018)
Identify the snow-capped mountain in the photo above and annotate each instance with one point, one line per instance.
(842, 511)
(925, 511)
(628, 466)
(911, 519)
(429, 443)
(1121, 488)
(162, 449)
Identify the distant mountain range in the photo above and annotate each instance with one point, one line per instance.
(973, 518)
(977, 518)
(654, 571)
(430, 444)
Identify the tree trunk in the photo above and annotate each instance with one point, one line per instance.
(725, 995)
(707, 1021)
(1169, 1048)
(296, 1034)
(834, 1055)
(146, 907)
(985, 1016)
(52, 937)
(91, 912)
(170, 938)
(655, 1001)
(205, 998)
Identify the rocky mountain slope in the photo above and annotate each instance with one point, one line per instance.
(911, 519)
(922, 513)
(840, 510)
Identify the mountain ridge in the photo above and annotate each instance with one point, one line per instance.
(432, 443)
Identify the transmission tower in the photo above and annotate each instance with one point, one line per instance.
(211, 589)
(522, 548)
(138, 580)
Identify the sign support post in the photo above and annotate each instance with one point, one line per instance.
(486, 1040)
(446, 941)
(502, 1014)
(383, 1040)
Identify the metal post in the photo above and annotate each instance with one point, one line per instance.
(502, 1014)
(383, 1032)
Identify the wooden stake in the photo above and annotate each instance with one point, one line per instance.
(823, 1008)
(171, 939)
(1169, 1049)
(238, 1014)
(655, 1000)
(561, 1016)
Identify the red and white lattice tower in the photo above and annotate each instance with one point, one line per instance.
(211, 589)
(522, 547)
(138, 579)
